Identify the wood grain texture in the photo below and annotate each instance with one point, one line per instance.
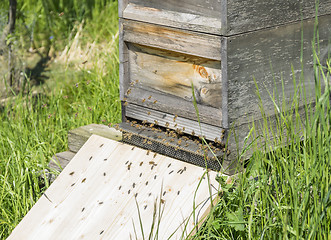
(175, 105)
(189, 18)
(174, 73)
(169, 120)
(172, 39)
(223, 17)
(250, 15)
(124, 62)
(98, 194)
(78, 136)
(122, 4)
(267, 56)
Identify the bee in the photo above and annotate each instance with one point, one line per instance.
(155, 177)
(149, 97)
(72, 184)
(159, 137)
(156, 122)
(119, 188)
(164, 193)
(128, 91)
(228, 152)
(90, 158)
(148, 113)
(155, 102)
(146, 183)
(143, 100)
(145, 207)
(137, 81)
(136, 195)
(183, 128)
(132, 148)
(140, 174)
(175, 125)
(129, 166)
(145, 121)
(124, 99)
(223, 131)
(100, 203)
(149, 142)
(184, 169)
(83, 180)
(141, 163)
(101, 232)
(179, 142)
(72, 173)
(154, 155)
(104, 174)
(101, 146)
(162, 201)
(129, 191)
(151, 125)
(178, 192)
(148, 152)
(83, 209)
(133, 185)
(175, 117)
(151, 163)
(193, 133)
(145, 140)
(131, 84)
(171, 172)
(167, 124)
(169, 165)
(126, 104)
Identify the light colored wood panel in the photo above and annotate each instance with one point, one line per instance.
(177, 18)
(170, 121)
(268, 57)
(96, 195)
(172, 39)
(78, 136)
(174, 105)
(174, 73)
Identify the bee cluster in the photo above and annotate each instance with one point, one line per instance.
(174, 143)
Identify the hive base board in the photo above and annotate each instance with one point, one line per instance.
(97, 196)
(174, 145)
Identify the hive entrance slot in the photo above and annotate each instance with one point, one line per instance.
(174, 144)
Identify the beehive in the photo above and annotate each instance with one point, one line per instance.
(212, 50)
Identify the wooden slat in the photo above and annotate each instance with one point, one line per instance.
(124, 62)
(174, 17)
(78, 136)
(176, 106)
(169, 120)
(96, 196)
(172, 39)
(174, 73)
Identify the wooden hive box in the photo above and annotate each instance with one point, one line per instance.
(219, 47)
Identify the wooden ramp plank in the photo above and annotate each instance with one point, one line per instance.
(98, 194)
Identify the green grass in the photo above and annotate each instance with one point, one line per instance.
(283, 194)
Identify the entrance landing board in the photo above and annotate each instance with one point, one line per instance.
(108, 186)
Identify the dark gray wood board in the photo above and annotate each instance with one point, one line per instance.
(268, 56)
(222, 17)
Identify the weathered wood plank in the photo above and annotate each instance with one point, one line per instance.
(78, 136)
(178, 18)
(169, 120)
(268, 56)
(249, 15)
(172, 39)
(175, 105)
(124, 62)
(60, 160)
(225, 17)
(174, 73)
(122, 4)
(97, 195)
